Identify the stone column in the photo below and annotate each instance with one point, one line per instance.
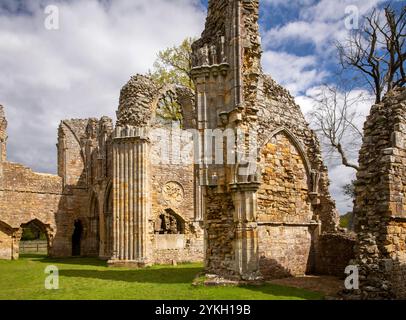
(246, 233)
(131, 202)
(15, 244)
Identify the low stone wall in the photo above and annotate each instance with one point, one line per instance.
(179, 248)
(284, 251)
(334, 252)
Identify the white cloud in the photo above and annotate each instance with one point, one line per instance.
(320, 34)
(320, 23)
(340, 176)
(295, 73)
(284, 3)
(78, 70)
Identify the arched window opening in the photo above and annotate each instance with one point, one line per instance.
(169, 109)
(168, 222)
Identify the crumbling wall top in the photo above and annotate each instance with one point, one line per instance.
(137, 98)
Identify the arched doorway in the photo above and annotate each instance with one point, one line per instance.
(76, 238)
(34, 239)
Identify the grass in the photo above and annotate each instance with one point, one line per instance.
(89, 279)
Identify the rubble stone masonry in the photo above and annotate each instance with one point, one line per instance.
(380, 207)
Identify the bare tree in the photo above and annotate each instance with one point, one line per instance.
(377, 51)
(334, 116)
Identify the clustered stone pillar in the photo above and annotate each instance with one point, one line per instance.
(130, 199)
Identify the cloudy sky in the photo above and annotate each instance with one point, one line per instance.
(77, 71)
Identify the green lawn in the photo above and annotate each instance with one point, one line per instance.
(86, 278)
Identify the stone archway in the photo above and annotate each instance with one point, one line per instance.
(92, 228)
(284, 209)
(35, 238)
(284, 192)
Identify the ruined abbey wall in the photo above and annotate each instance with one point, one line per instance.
(380, 206)
(265, 222)
(294, 205)
(154, 189)
(174, 191)
(26, 196)
(265, 213)
(83, 191)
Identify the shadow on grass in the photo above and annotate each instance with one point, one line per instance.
(161, 275)
(289, 292)
(32, 256)
(84, 261)
(185, 276)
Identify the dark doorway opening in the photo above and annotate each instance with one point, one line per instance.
(76, 238)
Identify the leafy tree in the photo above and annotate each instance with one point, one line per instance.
(173, 66)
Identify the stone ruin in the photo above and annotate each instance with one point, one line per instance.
(380, 206)
(269, 222)
(266, 214)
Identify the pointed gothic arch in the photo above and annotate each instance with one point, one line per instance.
(42, 229)
(295, 141)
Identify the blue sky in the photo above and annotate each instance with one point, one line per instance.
(77, 71)
(317, 17)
